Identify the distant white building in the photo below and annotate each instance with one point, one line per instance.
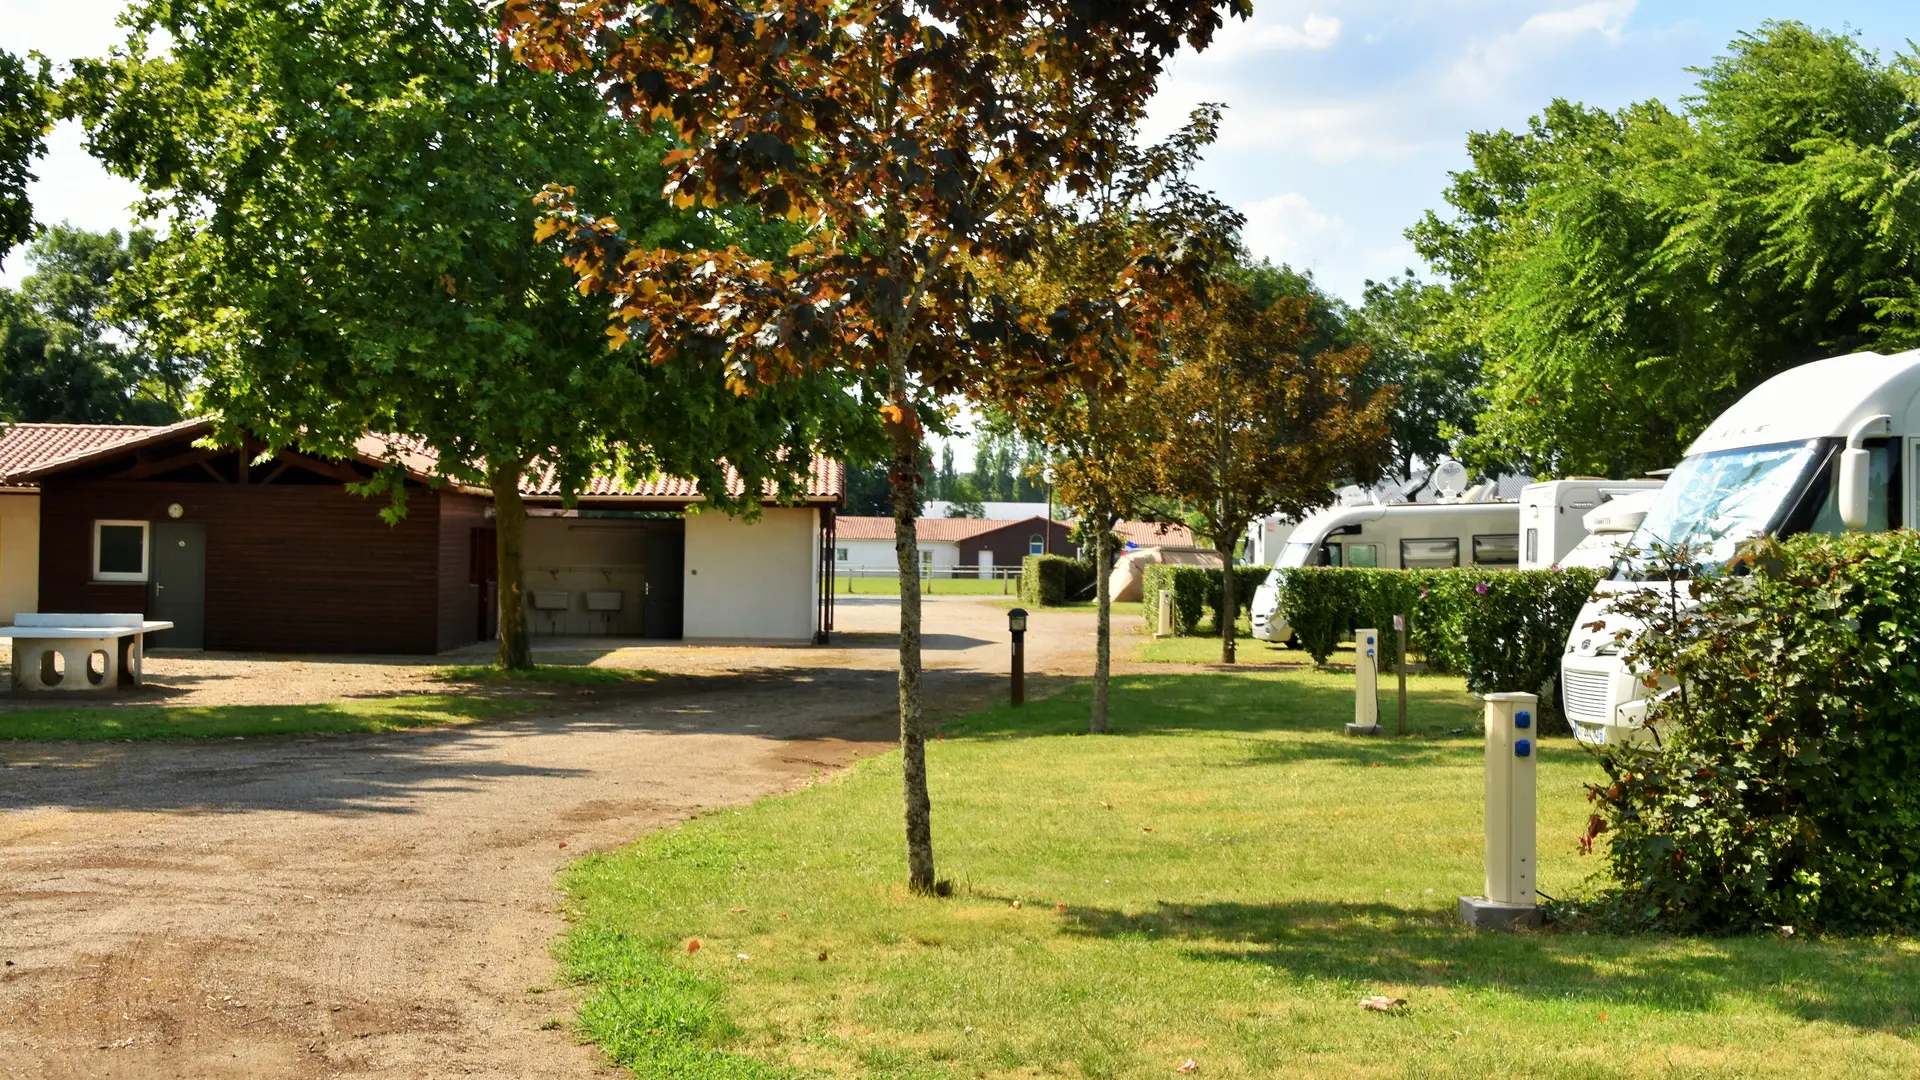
(1000, 511)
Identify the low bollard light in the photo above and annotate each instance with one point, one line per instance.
(1017, 625)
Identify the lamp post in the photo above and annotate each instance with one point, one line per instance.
(1017, 624)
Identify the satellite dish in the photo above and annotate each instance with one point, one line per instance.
(1450, 478)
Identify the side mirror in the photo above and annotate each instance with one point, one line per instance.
(1856, 469)
(1856, 466)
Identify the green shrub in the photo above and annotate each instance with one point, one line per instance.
(1787, 788)
(1196, 588)
(1503, 630)
(1052, 580)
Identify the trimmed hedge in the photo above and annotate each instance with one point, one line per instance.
(1195, 588)
(1786, 792)
(1052, 580)
(1503, 630)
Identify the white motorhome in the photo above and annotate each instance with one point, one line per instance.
(1553, 515)
(1823, 447)
(1392, 536)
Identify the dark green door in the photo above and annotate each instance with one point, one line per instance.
(666, 557)
(177, 586)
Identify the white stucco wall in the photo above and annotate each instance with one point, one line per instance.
(19, 555)
(870, 557)
(753, 581)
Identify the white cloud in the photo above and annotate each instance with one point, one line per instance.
(1237, 41)
(1538, 40)
(1287, 228)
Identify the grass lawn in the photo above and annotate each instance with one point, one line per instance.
(1222, 880)
(140, 722)
(890, 586)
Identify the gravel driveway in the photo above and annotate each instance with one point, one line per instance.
(383, 905)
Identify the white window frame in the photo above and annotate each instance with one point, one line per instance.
(146, 552)
(841, 554)
(1036, 544)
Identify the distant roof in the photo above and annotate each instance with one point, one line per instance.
(1153, 534)
(26, 446)
(930, 529)
(825, 483)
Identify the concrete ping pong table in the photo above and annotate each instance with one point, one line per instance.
(98, 652)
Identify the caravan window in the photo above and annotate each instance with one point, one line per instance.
(1329, 555)
(1501, 549)
(1434, 554)
(1363, 556)
(1533, 546)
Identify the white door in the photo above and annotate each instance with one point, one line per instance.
(986, 565)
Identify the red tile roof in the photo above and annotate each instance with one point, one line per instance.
(1149, 534)
(26, 446)
(826, 483)
(930, 530)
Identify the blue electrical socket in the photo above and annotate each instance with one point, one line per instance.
(1522, 748)
(1523, 719)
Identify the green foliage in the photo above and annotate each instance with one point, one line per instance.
(1052, 580)
(1786, 791)
(964, 500)
(26, 115)
(1629, 274)
(1504, 630)
(351, 242)
(1196, 589)
(71, 350)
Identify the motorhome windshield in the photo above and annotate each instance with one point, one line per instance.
(1714, 501)
(1297, 554)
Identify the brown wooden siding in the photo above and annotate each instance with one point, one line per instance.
(291, 568)
(460, 598)
(1009, 544)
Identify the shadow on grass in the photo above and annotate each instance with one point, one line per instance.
(1861, 983)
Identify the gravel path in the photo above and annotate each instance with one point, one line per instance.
(383, 905)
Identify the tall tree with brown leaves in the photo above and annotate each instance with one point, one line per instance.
(1250, 424)
(898, 136)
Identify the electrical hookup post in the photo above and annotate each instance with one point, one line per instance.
(1366, 683)
(1510, 901)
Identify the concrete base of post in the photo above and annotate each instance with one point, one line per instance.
(1363, 729)
(1482, 914)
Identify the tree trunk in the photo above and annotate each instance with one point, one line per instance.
(913, 741)
(1103, 622)
(1229, 603)
(510, 534)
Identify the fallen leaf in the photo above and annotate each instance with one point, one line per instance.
(1015, 905)
(1379, 1003)
(563, 843)
(823, 956)
(1146, 828)
(693, 945)
(1375, 765)
(1059, 907)
(1191, 1066)
(783, 914)
(741, 956)
(1603, 1014)
(735, 911)
(1105, 805)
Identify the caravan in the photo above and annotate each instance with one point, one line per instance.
(1553, 515)
(1399, 536)
(1823, 447)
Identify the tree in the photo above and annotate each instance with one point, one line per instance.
(68, 352)
(964, 500)
(350, 186)
(1112, 266)
(1630, 274)
(1248, 424)
(899, 135)
(1435, 375)
(26, 115)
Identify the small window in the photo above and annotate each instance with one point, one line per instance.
(839, 554)
(120, 551)
(1036, 545)
(1434, 554)
(1363, 556)
(1330, 555)
(1499, 549)
(926, 562)
(1533, 547)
